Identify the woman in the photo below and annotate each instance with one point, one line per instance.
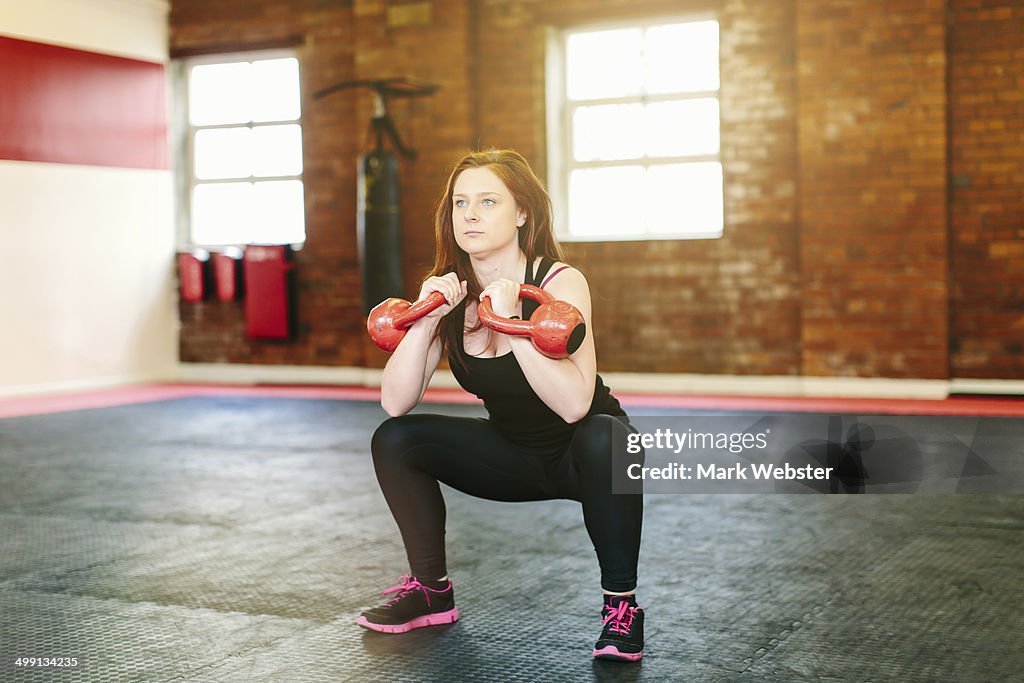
(552, 425)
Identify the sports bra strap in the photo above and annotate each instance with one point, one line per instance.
(529, 305)
(542, 269)
(555, 272)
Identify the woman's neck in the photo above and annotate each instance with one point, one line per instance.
(510, 265)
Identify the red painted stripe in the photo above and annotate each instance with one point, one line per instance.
(75, 107)
(966, 406)
(107, 398)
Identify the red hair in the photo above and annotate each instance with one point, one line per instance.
(536, 237)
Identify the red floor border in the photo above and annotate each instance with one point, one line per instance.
(104, 398)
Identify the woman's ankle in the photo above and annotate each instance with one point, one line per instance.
(435, 584)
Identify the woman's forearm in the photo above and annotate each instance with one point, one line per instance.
(409, 369)
(560, 384)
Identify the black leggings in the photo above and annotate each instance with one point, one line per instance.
(412, 453)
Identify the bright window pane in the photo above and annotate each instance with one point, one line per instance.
(682, 57)
(606, 201)
(684, 198)
(222, 213)
(604, 64)
(240, 213)
(682, 128)
(278, 212)
(223, 153)
(275, 95)
(219, 93)
(634, 161)
(608, 132)
(277, 150)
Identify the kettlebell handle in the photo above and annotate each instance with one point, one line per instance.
(556, 328)
(389, 320)
(511, 325)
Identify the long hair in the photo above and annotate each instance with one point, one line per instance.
(536, 237)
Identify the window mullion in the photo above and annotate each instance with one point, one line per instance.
(245, 124)
(645, 98)
(247, 179)
(645, 161)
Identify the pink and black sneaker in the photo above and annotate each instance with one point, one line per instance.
(414, 606)
(622, 638)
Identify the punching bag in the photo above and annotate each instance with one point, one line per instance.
(378, 227)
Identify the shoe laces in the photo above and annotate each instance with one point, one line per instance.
(619, 618)
(406, 584)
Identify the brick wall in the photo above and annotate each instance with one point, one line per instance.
(839, 136)
(427, 40)
(706, 306)
(872, 146)
(987, 188)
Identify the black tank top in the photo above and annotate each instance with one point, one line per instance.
(514, 407)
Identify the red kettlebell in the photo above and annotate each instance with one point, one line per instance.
(556, 328)
(389, 320)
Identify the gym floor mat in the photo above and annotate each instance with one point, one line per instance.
(236, 538)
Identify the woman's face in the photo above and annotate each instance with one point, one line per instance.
(484, 213)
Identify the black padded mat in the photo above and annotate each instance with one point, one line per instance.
(237, 539)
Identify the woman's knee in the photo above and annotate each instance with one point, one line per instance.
(393, 436)
(597, 439)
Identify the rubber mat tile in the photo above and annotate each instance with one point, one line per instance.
(120, 642)
(772, 587)
(362, 517)
(219, 502)
(184, 486)
(51, 545)
(32, 487)
(339, 652)
(231, 421)
(268, 423)
(916, 607)
(274, 575)
(874, 640)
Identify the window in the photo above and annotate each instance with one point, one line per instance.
(633, 131)
(241, 152)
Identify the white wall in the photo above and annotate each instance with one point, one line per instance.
(127, 28)
(87, 288)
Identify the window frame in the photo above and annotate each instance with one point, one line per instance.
(184, 134)
(559, 111)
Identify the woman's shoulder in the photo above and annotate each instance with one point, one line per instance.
(566, 283)
(561, 272)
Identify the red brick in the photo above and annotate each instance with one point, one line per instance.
(842, 127)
